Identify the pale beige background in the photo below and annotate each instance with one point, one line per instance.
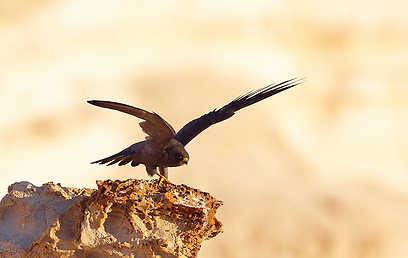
(317, 171)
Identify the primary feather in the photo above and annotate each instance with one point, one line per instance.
(196, 126)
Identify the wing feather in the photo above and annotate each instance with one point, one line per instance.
(125, 156)
(196, 126)
(157, 129)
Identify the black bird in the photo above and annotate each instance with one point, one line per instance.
(164, 147)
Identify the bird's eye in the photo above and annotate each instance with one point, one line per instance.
(180, 157)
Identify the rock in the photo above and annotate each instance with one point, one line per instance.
(132, 218)
(27, 210)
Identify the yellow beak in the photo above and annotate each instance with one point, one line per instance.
(185, 160)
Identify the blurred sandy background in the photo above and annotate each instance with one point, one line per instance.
(319, 170)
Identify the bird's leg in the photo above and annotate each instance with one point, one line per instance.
(164, 172)
(163, 175)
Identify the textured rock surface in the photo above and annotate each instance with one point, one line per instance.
(27, 210)
(132, 218)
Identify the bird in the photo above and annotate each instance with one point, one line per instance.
(163, 147)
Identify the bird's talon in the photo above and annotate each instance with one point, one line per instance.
(163, 178)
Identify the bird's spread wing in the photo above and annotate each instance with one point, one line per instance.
(158, 130)
(196, 126)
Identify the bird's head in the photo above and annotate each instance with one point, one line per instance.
(180, 157)
(183, 158)
(177, 154)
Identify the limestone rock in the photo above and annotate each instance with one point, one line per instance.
(27, 210)
(132, 218)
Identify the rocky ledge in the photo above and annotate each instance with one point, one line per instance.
(132, 218)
